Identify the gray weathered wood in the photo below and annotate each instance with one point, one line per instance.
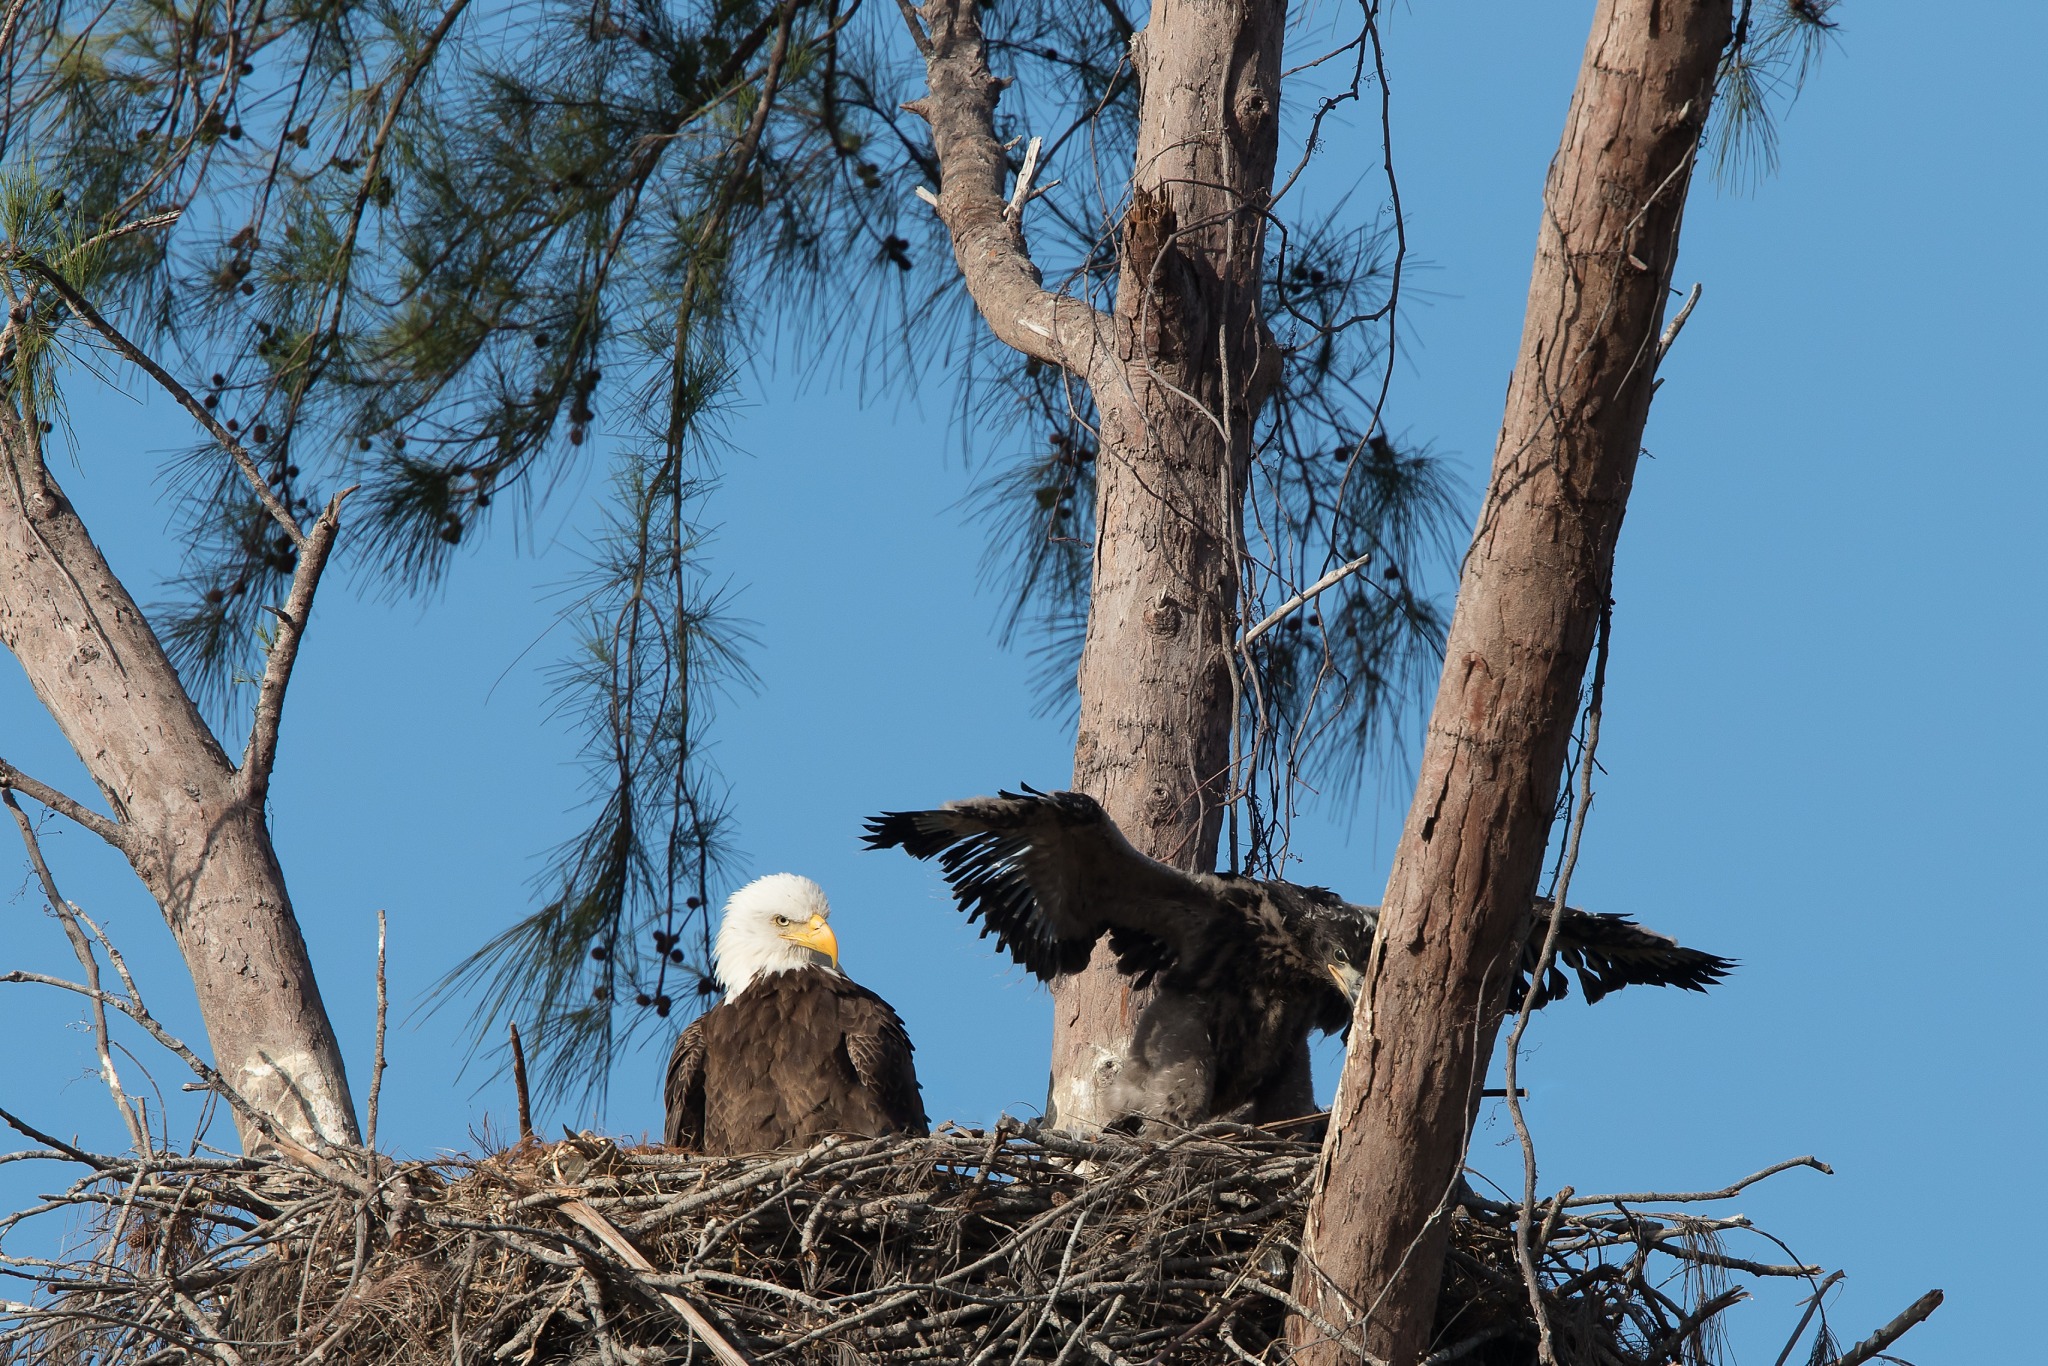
(189, 822)
(1528, 606)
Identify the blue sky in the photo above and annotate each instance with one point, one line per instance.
(1823, 751)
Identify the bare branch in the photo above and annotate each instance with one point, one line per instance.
(1688, 1197)
(1666, 1347)
(1021, 195)
(1304, 597)
(916, 27)
(30, 1131)
(521, 1096)
(1525, 1252)
(133, 1010)
(82, 948)
(609, 1235)
(1891, 1332)
(377, 1065)
(314, 549)
(988, 242)
(1812, 1304)
(1677, 324)
(12, 778)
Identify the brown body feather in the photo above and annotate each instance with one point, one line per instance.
(793, 1057)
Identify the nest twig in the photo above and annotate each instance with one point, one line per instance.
(997, 1248)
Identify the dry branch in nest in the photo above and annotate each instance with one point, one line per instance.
(1005, 1246)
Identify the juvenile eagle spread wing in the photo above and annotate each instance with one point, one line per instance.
(1254, 966)
(1048, 873)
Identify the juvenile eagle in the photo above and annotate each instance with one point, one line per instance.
(1246, 969)
(796, 1050)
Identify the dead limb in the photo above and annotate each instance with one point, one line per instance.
(260, 755)
(81, 947)
(988, 240)
(1884, 1337)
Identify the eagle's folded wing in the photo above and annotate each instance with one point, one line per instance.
(683, 1090)
(1048, 873)
(879, 1048)
(1609, 952)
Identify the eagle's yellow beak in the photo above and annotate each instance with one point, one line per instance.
(1349, 980)
(815, 935)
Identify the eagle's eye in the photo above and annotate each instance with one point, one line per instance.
(1343, 957)
(782, 920)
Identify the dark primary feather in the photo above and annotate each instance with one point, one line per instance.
(1048, 873)
(1248, 969)
(795, 1056)
(1609, 952)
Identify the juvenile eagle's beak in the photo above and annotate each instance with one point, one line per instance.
(1349, 980)
(816, 936)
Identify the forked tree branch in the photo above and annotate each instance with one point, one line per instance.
(261, 754)
(988, 241)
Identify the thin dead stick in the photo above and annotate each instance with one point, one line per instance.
(1666, 1347)
(30, 1131)
(519, 1083)
(1691, 1197)
(1884, 1337)
(67, 916)
(1022, 194)
(210, 1078)
(114, 234)
(608, 1234)
(1812, 1304)
(1525, 1251)
(377, 1065)
(1302, 599)
(1677, 324)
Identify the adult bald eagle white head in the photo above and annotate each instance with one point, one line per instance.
(1246, 969)
(796, 1050)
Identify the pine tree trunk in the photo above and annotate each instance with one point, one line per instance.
(1192, 363)
(1528, 609)
(198, 840)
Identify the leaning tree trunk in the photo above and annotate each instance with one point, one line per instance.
(1528, 608)
(1192, 363)
(189, 822)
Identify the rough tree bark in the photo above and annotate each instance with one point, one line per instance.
(1528, 608)
(189, 821)
(1176, 373)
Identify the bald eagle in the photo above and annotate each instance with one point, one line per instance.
(1246, 969)
(796, 1050)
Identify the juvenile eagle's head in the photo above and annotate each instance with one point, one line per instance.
(773, 924)
(1336, 937)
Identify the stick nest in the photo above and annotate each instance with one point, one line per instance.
(1001, 1246)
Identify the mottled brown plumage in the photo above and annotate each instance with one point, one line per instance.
(1247, 968)
(791, 1057)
